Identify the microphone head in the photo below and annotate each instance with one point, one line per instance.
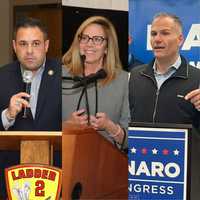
(83, 57)
(27, 76)
(101, 74)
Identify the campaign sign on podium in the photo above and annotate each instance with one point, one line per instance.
(157, 163)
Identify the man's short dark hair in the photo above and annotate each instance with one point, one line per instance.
(26, 22)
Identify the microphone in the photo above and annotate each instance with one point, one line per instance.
(83, 57)
(101, 74)
(27, 79)
(27, 76)
(75, 78)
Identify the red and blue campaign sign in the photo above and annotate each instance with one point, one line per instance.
(157, 163)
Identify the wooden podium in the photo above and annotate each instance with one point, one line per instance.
(92, 167)
(34, 146)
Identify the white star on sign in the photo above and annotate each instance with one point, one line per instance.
(154, 151)
(176, 152)
(133, 150)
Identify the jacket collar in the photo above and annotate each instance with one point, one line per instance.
(182, 71)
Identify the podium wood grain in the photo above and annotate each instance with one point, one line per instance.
(95, 163)
(34, 146)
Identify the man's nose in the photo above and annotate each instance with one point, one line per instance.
(29, 49)
(157, 37)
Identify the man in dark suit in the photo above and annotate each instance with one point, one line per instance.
(43, 104)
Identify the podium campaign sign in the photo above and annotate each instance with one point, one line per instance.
(158, 163)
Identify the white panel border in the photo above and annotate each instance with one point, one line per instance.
(98, 4)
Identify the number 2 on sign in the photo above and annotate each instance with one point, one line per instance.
(39, 190)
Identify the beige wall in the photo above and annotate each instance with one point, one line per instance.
(100, 4)
(5, 45)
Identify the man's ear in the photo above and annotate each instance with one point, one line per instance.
(14, 45)
(46, 45)
(181, 39)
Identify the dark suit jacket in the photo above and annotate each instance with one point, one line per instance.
(48, 111)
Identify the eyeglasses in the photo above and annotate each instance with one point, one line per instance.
(97, 40)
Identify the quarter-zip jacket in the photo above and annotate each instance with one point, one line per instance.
(150, 104)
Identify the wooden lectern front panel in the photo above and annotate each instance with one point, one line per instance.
(93, 164)
(35, 151)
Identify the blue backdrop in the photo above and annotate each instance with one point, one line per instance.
(141, 13)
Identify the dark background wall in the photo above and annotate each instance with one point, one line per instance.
(62, 23)
(51, 16)
(74, 16)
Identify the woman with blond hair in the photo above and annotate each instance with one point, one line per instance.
(95, 47)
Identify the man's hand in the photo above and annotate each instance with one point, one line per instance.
(194, 98)
(17, 103)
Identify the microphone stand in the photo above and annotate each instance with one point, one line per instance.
(84, 91)
(87, 102)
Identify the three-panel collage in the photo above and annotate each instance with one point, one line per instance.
(100, 99)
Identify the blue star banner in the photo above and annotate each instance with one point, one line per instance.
(157, 164)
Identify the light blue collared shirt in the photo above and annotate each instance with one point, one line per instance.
(35, 86)
(161, 78)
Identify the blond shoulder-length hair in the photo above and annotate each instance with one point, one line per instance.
(112, 64)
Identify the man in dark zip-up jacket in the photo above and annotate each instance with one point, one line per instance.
(158, 92)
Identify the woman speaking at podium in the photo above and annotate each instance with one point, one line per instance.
(101, 100)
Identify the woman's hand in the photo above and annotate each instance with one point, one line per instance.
(79, 117)
(102, 121)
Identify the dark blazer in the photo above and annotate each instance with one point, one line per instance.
(48, 111)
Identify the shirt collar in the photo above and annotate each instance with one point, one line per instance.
(175, 66)
(39, 71)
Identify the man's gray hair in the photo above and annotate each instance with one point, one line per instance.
(172, 16)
